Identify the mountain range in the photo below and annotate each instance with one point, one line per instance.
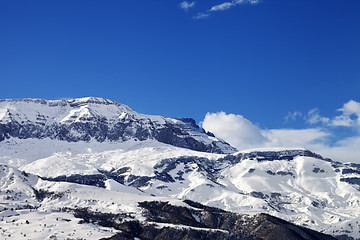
(92, 168)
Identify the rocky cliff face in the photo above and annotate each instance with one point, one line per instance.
(202, 222)
(99, 119)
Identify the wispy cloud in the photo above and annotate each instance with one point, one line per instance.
(313, 117)
(322, 138)
(186, 5)
(201, 16)
(224, 6)
(292, 116)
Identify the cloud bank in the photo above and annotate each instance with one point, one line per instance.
(243, 134)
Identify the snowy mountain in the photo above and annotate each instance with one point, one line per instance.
(100, 119)
(54, 187)
(58, 210)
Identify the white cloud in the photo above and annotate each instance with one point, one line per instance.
(234, 129)
(253, 2)
(351, 107)
(302, 138)
(224, 6)
(201, 16)
(292, 116)
(243, 134)
(343, 121)
(316, 140)
(186, 5)
(314, 117)
(350, 116)
(346, 150)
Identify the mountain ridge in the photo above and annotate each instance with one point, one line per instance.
(101, 119)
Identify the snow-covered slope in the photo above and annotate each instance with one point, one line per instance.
(100, 169)
(296, 185)
(60, 210)
(99, 119)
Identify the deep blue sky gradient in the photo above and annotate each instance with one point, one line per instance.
(260, 61)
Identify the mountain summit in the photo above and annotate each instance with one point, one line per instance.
(100, 119)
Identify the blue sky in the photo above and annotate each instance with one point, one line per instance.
(271, 62)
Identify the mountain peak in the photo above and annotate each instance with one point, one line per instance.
(76, 102)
